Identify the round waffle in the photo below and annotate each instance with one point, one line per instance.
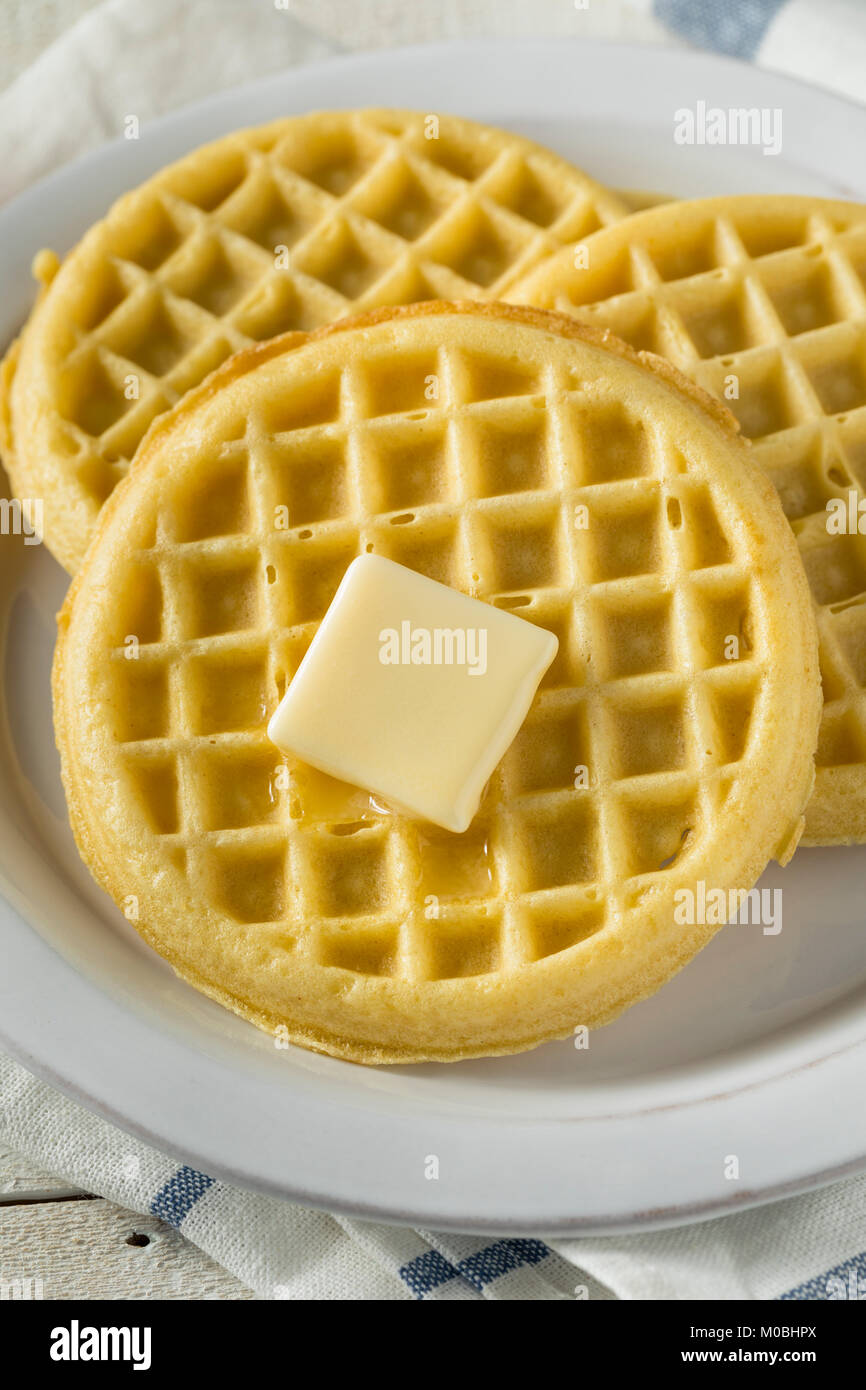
(765, 296)
(286, 226)
(552, 472)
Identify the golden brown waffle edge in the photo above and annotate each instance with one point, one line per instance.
(181, 273)
(771, 289)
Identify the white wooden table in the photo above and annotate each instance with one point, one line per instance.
(81, 1246)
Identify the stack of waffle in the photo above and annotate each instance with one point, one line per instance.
(306, 322)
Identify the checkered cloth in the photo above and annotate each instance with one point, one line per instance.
(125, 56)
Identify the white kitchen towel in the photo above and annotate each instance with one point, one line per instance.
(128, 58)
(809, 1247)
(824, 43)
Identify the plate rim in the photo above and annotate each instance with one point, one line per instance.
(804, 1078)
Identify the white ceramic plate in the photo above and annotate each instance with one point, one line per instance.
(756, 1050)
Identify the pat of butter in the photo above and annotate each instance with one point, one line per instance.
(412, 690)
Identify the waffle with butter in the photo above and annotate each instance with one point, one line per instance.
(762, 300)
(286, 226)
(532, 463)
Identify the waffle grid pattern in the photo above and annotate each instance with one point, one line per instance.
(369, 212)
(779, 302)
(642, 693)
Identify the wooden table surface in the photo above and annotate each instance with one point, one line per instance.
(81, 1246)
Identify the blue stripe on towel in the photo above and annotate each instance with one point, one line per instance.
(735, 27)
(851, 1277)
(426, 1272)
(430, 1270)
(502, 1258)
(176, 1200)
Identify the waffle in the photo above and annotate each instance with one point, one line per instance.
(653, 756)
(183, 272)
(638, 199)
(771, 291)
